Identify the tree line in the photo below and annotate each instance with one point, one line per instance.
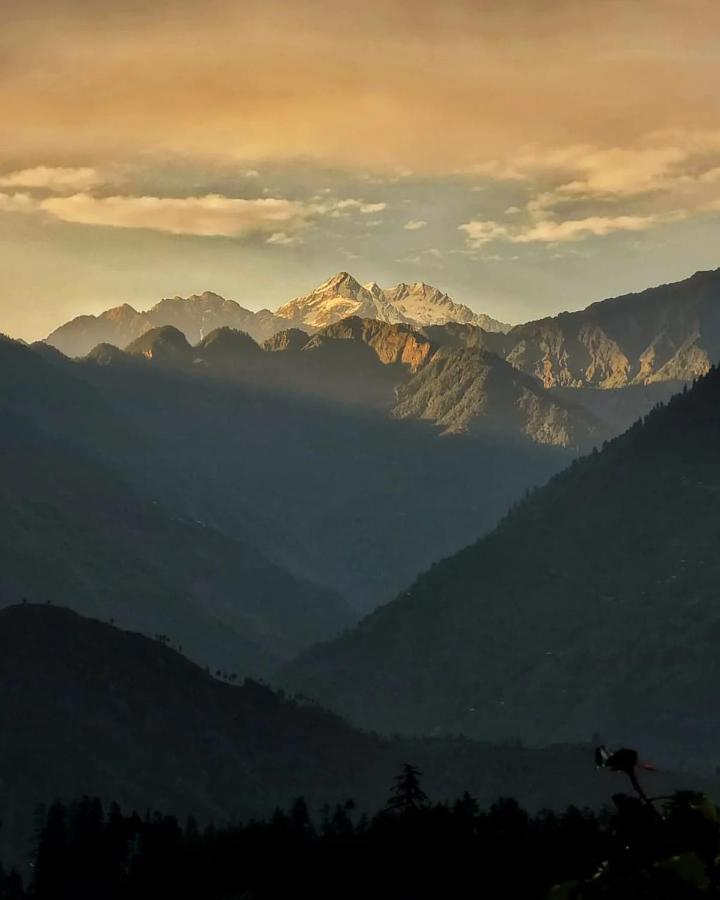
(640, 847)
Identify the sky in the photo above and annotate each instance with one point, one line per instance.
(526, 156)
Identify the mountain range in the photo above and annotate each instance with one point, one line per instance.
(198, 315)
(591, 609)
(669, 333)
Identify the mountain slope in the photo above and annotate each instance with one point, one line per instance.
(87, 709)
(591, 608)
(415, 304)
(461, 390)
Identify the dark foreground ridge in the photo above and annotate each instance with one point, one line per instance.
(88, 709)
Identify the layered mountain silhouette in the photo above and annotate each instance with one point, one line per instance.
(296, 451)
(88, 709)
(82, 527)
(591, 608)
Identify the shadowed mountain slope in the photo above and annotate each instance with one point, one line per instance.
(591, 608)
(80, 526)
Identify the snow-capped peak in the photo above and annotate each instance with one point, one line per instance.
(416, 304)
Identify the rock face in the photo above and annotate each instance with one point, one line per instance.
(392, 344)
(415, 304)
(195, 316)
(666, 333)
(289, 340)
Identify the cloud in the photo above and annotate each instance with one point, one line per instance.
(361, 206)
(478, 233)
(414, 224)
(57, 179)
(209, 215)
(549, 231)
(283, 239)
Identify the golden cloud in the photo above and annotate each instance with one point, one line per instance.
(210, 215)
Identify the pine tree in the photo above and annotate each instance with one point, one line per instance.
(406, 795)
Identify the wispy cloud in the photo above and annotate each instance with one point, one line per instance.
(549, 231)
(57, 179)
(414, 224)
(281, 238)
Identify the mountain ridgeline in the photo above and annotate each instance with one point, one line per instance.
(669, 333)
(592, 608)
(337, 298)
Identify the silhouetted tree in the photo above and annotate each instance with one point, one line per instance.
(406, 795)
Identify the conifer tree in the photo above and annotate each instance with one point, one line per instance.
(406, 795)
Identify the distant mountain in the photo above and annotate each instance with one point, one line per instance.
(592, 608)
(414, 304)
(195, 316)
(87, 709)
